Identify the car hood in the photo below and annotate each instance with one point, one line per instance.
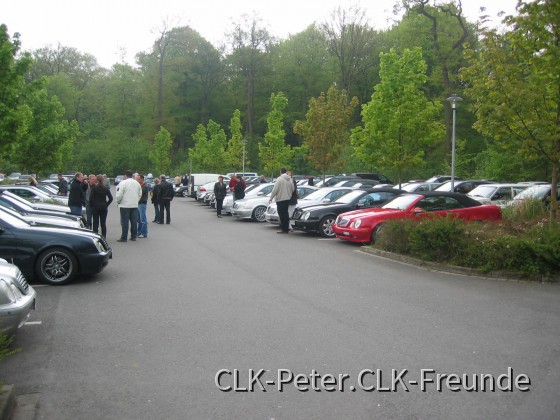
(54, 230)
(369, 212)
(333, 206)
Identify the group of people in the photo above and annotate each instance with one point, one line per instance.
(132, 199)
(132, 194)
(237, 187)
(284, 192)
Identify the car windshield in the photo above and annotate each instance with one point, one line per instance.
(401, 202)
(536, 191)
(483, 191)
(446, 186)
(348, 198)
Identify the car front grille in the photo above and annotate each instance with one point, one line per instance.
(297, 214)
(105, 243)
(236, 205)
(23, 283)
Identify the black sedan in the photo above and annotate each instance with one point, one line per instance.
(49, 254)
(320, 218)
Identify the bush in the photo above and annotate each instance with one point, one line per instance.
(528, 248)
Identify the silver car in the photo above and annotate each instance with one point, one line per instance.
(34, 194)
(499, 194)
(17, 298)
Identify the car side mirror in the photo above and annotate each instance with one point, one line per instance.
(260, 194)
(361, 204)
(326, 200)
(417, 210)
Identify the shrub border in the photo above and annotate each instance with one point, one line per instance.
(467, 271)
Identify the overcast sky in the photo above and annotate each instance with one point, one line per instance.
(106, 28)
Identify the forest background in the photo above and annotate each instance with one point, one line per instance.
(338, 97)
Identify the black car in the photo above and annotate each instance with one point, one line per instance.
(181, 191)
(320, 218)
(52, 255)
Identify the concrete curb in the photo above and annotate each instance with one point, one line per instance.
(466, 271)
(7, 402)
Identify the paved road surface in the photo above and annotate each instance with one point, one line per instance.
(146, 338)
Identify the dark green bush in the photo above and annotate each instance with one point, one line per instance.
(485, 246)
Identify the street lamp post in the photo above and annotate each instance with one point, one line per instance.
(244, 141)
(453, 99)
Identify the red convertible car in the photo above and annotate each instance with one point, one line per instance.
(363, 225)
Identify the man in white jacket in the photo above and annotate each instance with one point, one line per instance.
(282, 192)
(129, 192)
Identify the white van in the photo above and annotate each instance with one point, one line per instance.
(243, 174)
(196, 180)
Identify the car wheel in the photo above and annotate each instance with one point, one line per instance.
(325, 226)
(375, 232)
(56, 266)
(185, 193)
(258, 214)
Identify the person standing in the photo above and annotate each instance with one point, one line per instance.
(282, 192)
(293, 202)
(185, 180)
(177, 181)
(220, 191)
(142, 207)
(166, 194)
(128, 195)
(155, 199)
(100, 198)
(77, 196)
(91, 181)
(262, 179)
(239, 189)
(232, 184)
(32, 181)
(62, 185)
(106, 181)
(311, 181)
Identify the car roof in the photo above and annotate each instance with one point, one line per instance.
(462, 198)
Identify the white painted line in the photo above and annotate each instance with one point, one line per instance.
(33, 323)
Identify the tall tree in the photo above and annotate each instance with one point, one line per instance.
(399, 121)
(160, 152)
(47, 144)
(447, 31)
(515, 81)
(208, 153)
(250, 42)
(15, 115)
(326, 129)
(274, 152)
(352, 42)
(234, 152)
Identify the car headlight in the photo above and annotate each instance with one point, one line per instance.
(357, 223)
(16, 291)
(6, 293)
(305, 215)
(98, 245)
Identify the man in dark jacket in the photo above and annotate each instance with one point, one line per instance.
(166, 194)
(220, 191)
(155, 198)
(62, 185)
(77, 196)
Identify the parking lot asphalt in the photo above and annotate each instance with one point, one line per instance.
(178, 325)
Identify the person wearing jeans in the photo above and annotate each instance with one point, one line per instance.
(142, 207)
(128, 195)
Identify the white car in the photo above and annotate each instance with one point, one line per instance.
(499, 194)
(251, 208)
(319, 196)
(37, 205)
(34, 194)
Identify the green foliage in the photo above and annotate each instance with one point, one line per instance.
(160, 152)
(234, 152)
(209, 151)
(399, 121)
(528, 209)
(507, 246)
(50, 138)
(514, 80)
(325, 131)
(15, 115)
(5, 348)
(274, 152)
